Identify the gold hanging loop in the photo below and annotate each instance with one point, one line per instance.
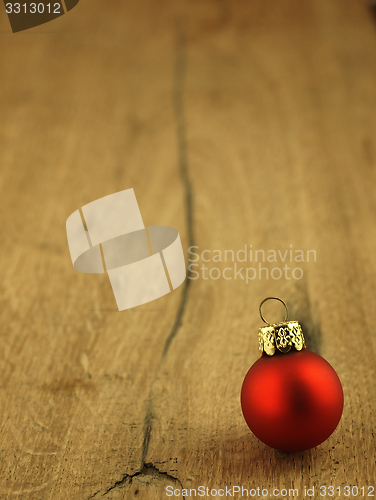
(280, 337)
(275, 298)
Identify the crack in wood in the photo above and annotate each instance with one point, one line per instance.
(147, 468)
(372, 7)
(301, 309)
(147, 428)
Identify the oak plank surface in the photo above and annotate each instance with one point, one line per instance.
(241, 124)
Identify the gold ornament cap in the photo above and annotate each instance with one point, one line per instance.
(280, 336)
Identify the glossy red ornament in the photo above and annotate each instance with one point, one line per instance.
(292, 401)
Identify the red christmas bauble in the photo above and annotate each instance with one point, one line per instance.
(293, 401)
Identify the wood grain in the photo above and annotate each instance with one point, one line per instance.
(240, 124)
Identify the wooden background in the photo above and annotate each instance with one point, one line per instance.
(238, 123)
